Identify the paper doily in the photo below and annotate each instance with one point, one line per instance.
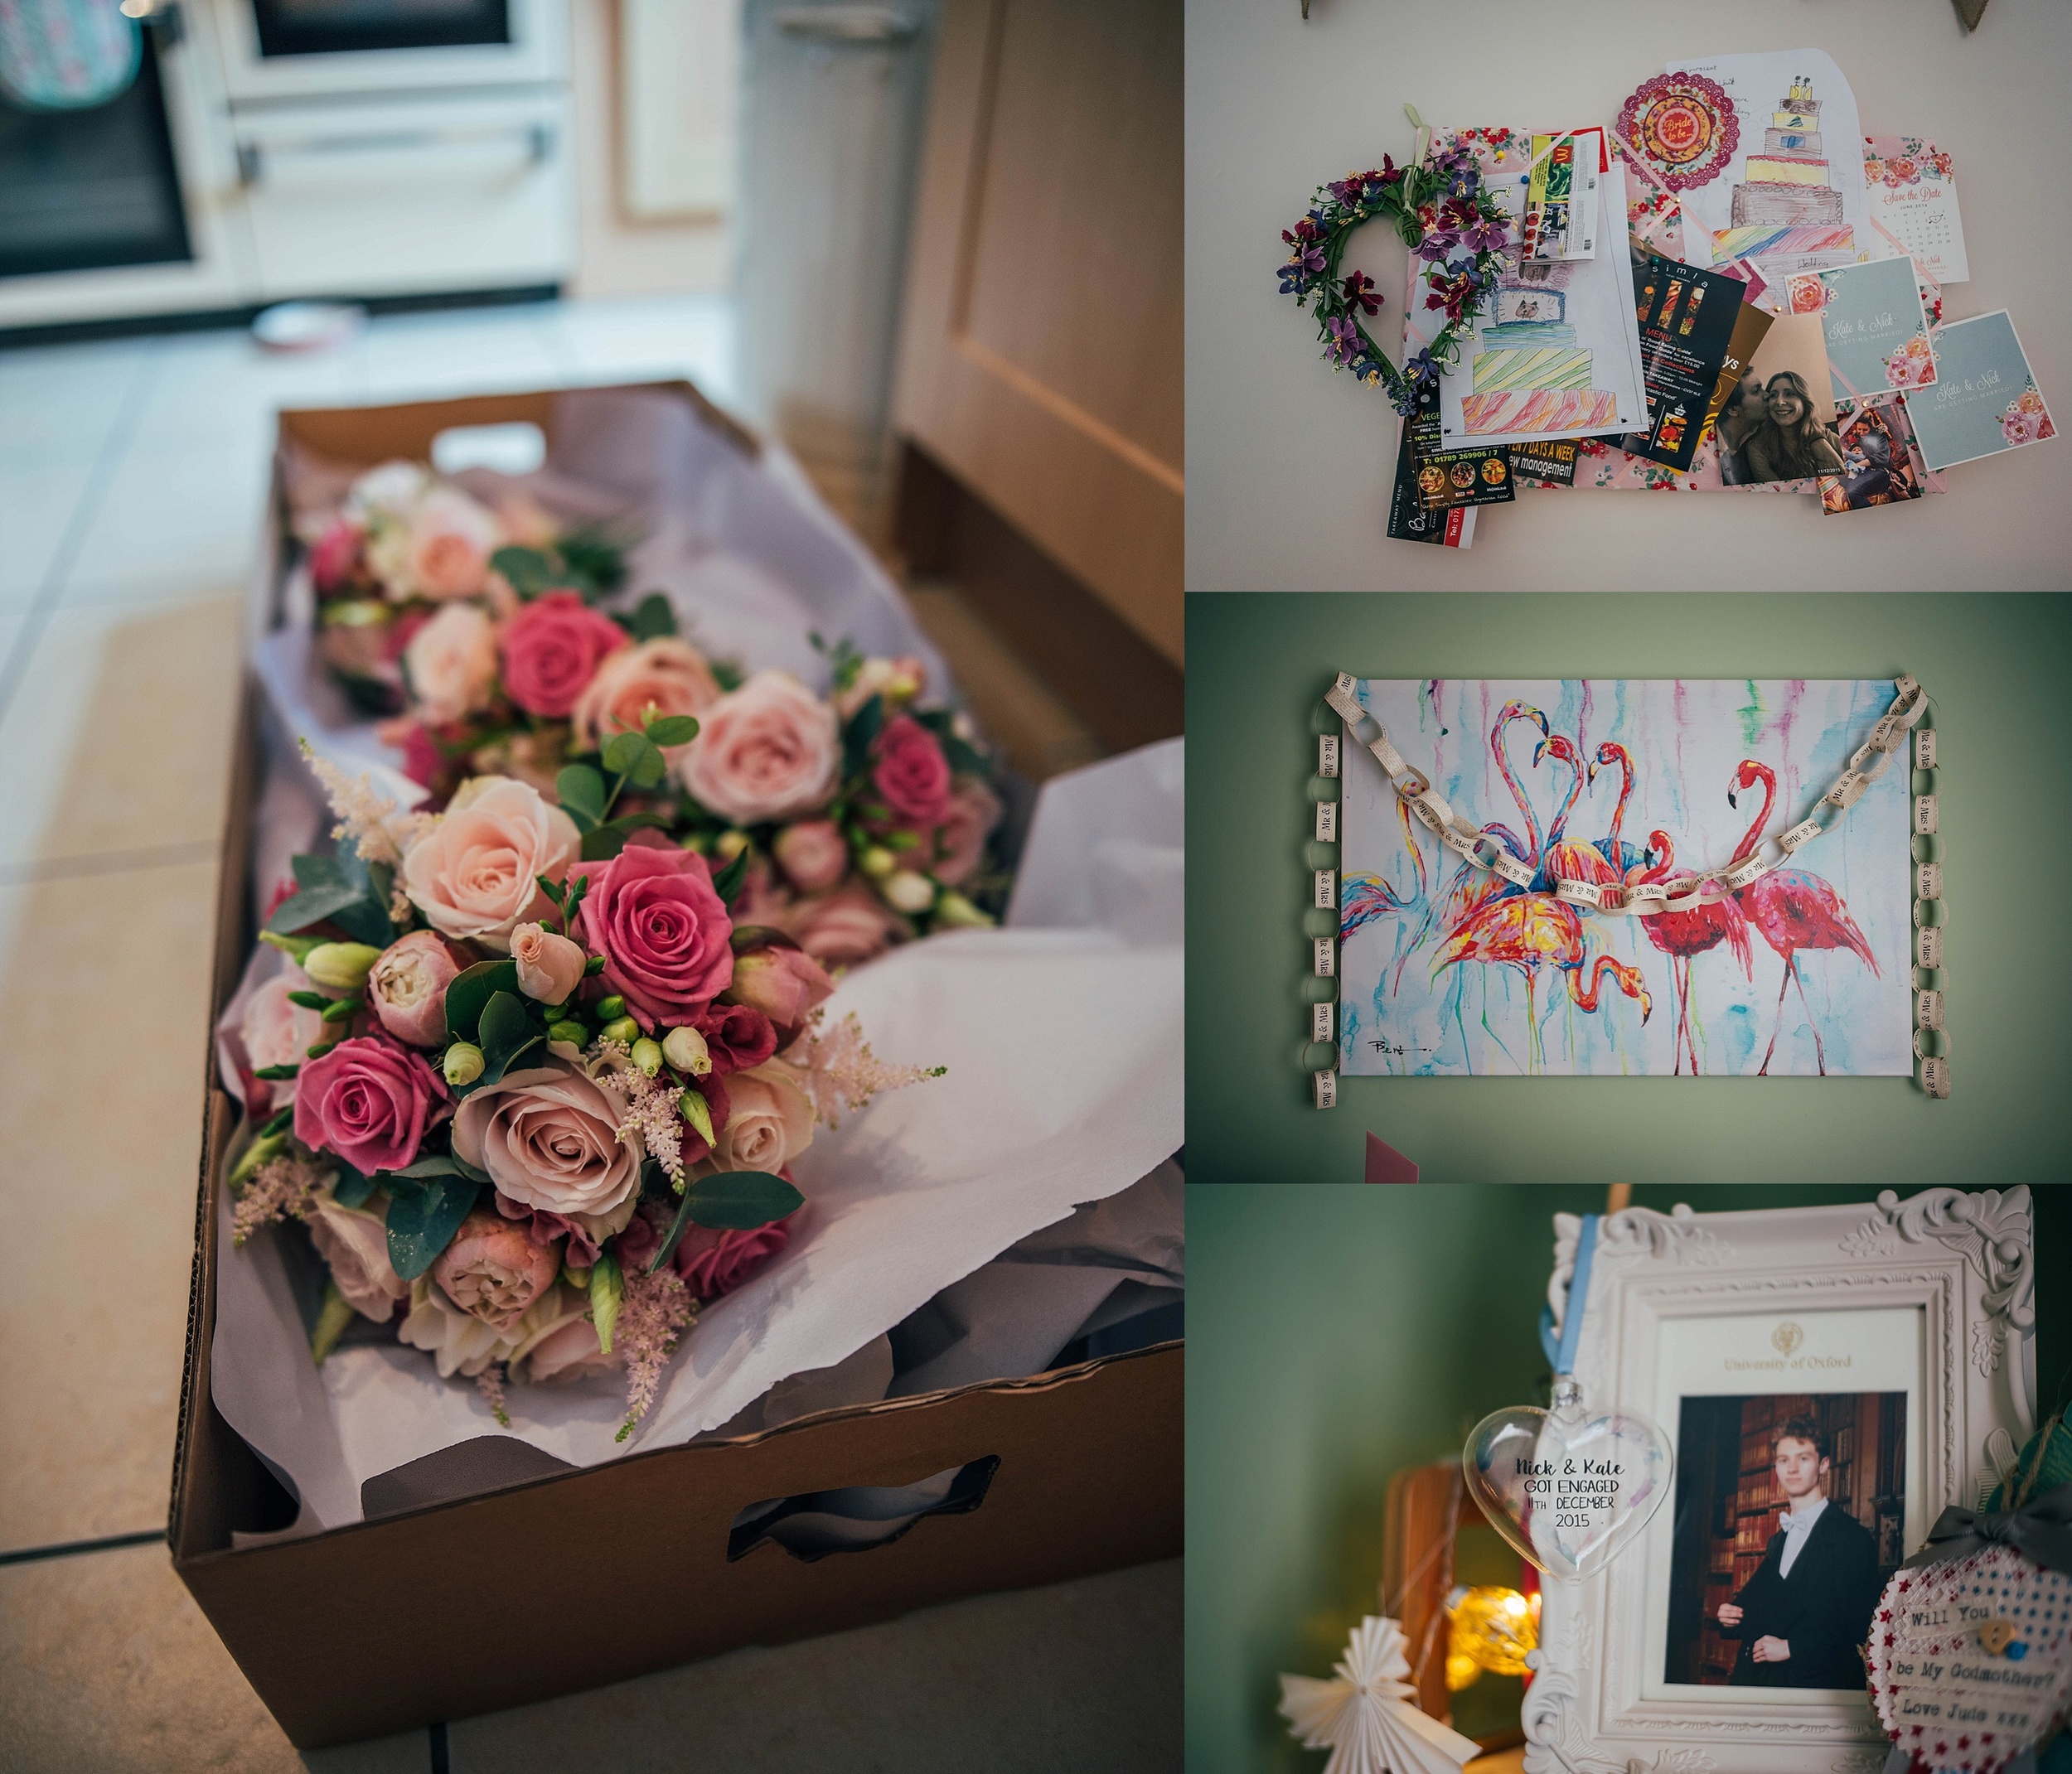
(1683, 126)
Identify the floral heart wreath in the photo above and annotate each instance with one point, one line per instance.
(1445, 215)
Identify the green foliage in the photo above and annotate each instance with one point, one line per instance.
(343, 1009)
(580, 790)
(508, 1029)
(470, 991)
(279, 1122)
(726, 882)
(423, 1218)
(727, 674)
(733, 1201)
(310, 1000)
(673, 729)
(636, 758)
(352, 1189)
(653, 618)
(861, 733)
(274, 1074)
(344, 889)
(592, 561)
(529, 571)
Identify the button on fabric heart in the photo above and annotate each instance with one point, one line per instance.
(1570, 1489)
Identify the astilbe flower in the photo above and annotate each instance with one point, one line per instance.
(656, 1310)
(836, 1066)
(490, 1383)
(371, 819)
(282, 1188)
(651, 1112)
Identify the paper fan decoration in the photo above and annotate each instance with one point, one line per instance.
(1683, 126)
(1368, 1718)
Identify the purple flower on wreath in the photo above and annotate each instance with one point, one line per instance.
(1438, 244)
(1488, 234)
(1361, 294)
(1457, 212)
(1345, 347)
(1450, 160)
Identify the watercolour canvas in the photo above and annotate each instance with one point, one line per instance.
(1442, 974)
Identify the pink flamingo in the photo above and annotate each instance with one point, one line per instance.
(1680, 935)
(1794, 909)
(1621, 855)
(1470, 886)
(1529, 931)
(1364, 897)
(1565, 858)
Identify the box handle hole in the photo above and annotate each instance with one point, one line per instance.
(858, 1517)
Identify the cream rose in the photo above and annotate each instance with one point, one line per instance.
(473, 874)
(451, 537)
(669, 675)
(768, 750)
(564, 1345)
(354, 1242)
(407, 988)
(459, 1342)
(548, 1138)
(452, 663)
(493, 1270)
(393, 490)
(769, 1121)
(274, 1032)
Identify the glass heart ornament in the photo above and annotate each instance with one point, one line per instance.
(1570, 1488)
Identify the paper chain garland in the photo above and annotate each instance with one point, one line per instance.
(1438, 205)
(1649, 899)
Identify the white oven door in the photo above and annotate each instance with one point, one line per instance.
(409, 196)
(301, 49)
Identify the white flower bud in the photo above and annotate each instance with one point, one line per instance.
(908, 892)
(685, 1049)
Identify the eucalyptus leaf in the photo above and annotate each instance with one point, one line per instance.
(733, 1201)
(636, 758)
(726, 882)
(471, 988)
(966, 760)
(654, 618)
(863, 730)
(507, 1031)
(352, 1189)
(580, 790)
(528, 570)
(603, 843)
(438, 1164)
(673, 729)
(423, 1218)
(323, 887)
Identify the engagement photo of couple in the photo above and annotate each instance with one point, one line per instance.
(1770, 430)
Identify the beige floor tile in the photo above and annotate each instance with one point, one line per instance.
(107, 1666)
(61, 403)
(1014, 705)
(1083, 1676)
(97, 1150)
(117, 738)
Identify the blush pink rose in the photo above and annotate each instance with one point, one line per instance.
(473, 874)
(846, 926)
(813, 854)
(354, 1242)
(715, 1263)
(785, 984)
(769, 1122)
(668, 674)
(960, 841)
(548, 1138)
(768, 750)
(276, 1032)
(492, 1271)
(549, 967)
(370, 1100)
(451, 661)
(407, 988)
(451, 539)
(566, 1347)
(911, 774)
(662, 930)
(552, 649)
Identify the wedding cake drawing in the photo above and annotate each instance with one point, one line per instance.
(1788, 184)
(1527, 373)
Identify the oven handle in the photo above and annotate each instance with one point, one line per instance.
(853, 26)
(251, 158)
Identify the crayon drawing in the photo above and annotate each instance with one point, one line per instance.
(1448, 971)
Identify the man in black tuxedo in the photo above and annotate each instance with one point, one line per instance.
(1802, 1616)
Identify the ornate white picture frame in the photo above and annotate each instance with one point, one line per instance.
(1931, 1296)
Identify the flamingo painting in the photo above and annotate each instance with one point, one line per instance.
(1794, 909)
(1618, 784)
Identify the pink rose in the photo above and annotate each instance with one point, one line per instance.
(736, 1038)
(548, 1136)
(566, 1348)
(492, 1270)
(370, 1100)
(770, 1122)
(450, 662)
(961, 839)
(451, 539)
(458, 1341)
(552, 649)
(662, 930)
(336, 554)
(549, 967)
(768, 751)
(407, 988)
(473, 873)
(714, 1262)
(354, 1242)
(813, 855)
(849, 925)
(666, 674)
(911, 774)
(785, 984)
(275, 1033)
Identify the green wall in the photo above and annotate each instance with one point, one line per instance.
(1999, 669)
(1338, 1335)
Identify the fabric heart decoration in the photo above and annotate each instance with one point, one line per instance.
(1569, 1489)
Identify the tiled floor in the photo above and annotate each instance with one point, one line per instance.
(132, 474)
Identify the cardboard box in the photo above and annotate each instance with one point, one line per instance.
(647, 1561)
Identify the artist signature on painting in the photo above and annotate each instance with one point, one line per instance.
(1382, 1044)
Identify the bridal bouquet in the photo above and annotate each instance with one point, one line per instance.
(865, 816)
(534, 1097)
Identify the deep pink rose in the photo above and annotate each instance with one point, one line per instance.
(737, 1038)
(912, 773)
(663, 933)
(552, 649)
(336, 552)
(370, 1100)
(975, 809)
(713, 1263)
